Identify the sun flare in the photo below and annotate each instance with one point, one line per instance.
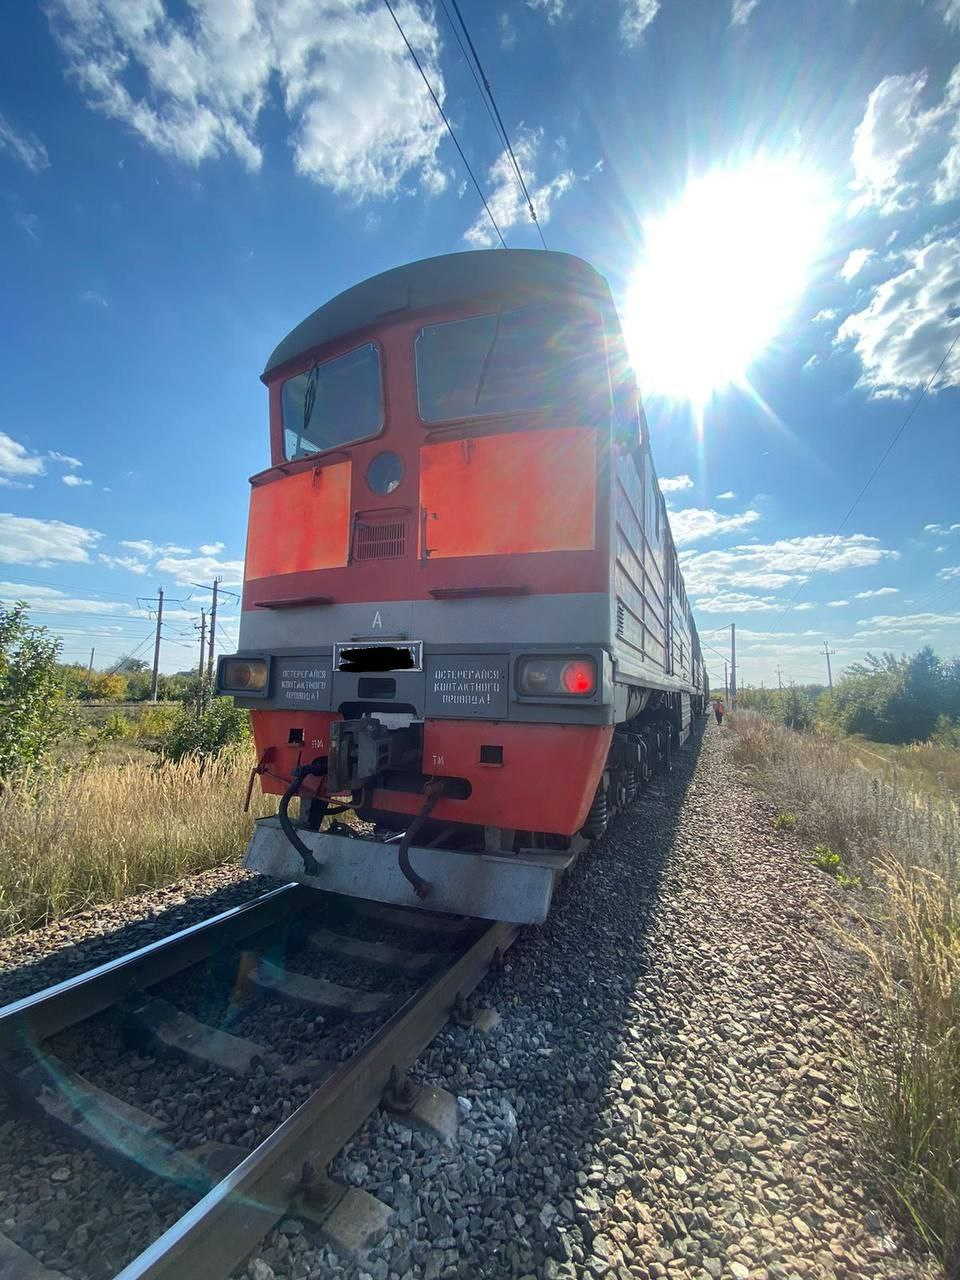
(719, 274)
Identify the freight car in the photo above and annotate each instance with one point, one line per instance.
(463, 618)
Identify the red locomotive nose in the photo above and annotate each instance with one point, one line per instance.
(579, 677)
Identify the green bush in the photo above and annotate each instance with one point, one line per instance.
(784, 821)
(217, 728)
(33, 717)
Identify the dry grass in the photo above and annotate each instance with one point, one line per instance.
(97, 834)
(903, 842)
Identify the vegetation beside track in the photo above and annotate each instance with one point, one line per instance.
(100, 803)
(894, 850)
(74, 839)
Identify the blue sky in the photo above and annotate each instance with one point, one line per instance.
(182, 182)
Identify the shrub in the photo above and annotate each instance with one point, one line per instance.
(825, 858)
(784, 821)
(34, 718)
(218, 727)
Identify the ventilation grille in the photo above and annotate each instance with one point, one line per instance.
(380, 541)
(620, 617)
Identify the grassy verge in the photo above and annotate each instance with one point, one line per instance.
(903, 844)
(95, 834)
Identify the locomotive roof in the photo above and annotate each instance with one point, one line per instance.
(440, 281)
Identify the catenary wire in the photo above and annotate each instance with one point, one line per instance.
(870, 478)
(443, 117)
(496, 116)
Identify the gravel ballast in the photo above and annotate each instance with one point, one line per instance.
(669, 1092)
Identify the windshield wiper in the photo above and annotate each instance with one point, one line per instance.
(309, 400)
(485, 368)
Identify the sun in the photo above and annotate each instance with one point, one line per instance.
(719, 275)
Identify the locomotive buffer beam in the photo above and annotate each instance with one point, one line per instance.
(510, 887)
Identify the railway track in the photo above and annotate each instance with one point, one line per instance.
(292, 957)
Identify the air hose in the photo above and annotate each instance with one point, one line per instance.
(432, 792)
(316, 770)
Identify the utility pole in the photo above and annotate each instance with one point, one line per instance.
(156, 647)
(90, 664)
(213, 627)
(203, 656)
(779, 678)
(203, 641)
(827, 652)
(733, 666)
(725, 694)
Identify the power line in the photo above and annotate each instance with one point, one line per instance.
(498, 119)
(883, 457)
(443, 117)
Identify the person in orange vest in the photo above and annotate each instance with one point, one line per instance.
(718, 710)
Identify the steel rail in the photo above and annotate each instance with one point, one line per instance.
(75, 999)
(218, 1233)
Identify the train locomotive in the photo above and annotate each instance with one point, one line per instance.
(465, 640)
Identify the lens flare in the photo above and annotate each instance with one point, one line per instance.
(720, 273)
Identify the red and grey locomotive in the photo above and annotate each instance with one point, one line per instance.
(463, 615)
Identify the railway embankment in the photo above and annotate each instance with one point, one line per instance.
(671, 1089)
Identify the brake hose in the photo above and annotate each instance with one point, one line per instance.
(316, 770)
(432, 793)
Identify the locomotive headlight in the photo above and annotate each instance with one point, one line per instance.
(557, 677)
(242, 675)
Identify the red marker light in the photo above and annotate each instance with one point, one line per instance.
(579, 676)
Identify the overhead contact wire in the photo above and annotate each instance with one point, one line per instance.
(443, 117)
(500, 125)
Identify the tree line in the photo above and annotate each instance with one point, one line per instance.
(885, 697)
(38, 693)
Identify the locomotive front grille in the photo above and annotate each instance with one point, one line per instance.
(387, 541)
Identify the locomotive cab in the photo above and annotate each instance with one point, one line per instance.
(434, 629)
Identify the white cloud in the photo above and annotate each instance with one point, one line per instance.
(74, 481)
(67, 459)
(740, 11)
(554, 9)
(878, 591)
(857, 259)
(6, 483)
(54, 601)
(508, 32)
(25, 147)
(200, 568)
(893, 127)
(778, 564)
(727, 496)
(837, 604)
(24, 540)
(17, 460)
(635, 17)
(811, 363)
(194, 86)
(144, 547)
(93, 298)
(909, 623)
(822, 317)
(737, 602)
(697, 523)
(941, 529)
(673, 484)
(210, 548)
(946, 186)
(130, 563)
(506, 201)
(911, 319)
(952, 571)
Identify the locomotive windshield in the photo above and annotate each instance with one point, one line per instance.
(333, 404)
(511, 361)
